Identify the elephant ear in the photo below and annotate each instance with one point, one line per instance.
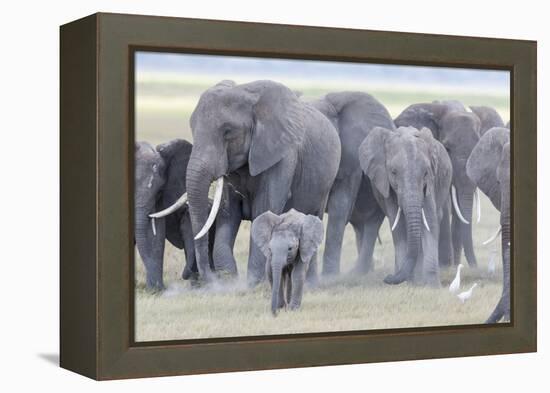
(372, 158)
(311, 237)
(482, 164)
(261, 230)
(278, 125)
(440, 162)
(175, 155)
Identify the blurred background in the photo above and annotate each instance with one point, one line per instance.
(168, 86)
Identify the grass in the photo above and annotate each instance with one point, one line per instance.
(349, 302)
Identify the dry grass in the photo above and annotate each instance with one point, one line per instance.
(347, 303)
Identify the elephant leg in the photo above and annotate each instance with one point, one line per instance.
(289, 288)
(312, 277)
(339, 207)
(358, 229)
(297, 278)
(150, 245)
(430, 257)
(368, 241)
(456, 234)
(190, 270)
(227, 228)
(256, 262)
(445, 243)
(502, 309)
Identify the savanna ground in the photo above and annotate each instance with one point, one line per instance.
(163, 106)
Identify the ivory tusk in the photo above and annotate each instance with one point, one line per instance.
(455, 204)
(425, 221)
(492, 238)
(169, 210)
(478, 205)
(215, 207)
(154, 226)
(396, 218)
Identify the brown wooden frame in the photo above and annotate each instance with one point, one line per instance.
(97, 199)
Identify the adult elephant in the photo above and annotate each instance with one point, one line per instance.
(458, 131)
(289, 149)
(159, 181)
(489, 168)
(488, 117)
(411, 174)
(354, 115)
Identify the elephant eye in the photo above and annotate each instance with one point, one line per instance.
(394, 171)
(155, 168)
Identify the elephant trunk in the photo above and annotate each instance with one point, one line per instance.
(277, 262)
(149, 236)
(198, 182)
(466, 203)
(412, 212)
(502, 309)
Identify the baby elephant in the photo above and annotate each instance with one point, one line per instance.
(288, 241)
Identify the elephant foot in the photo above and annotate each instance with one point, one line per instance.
(395, 279)
(433, 283)
(224, 275)
(155, 287)
(188, 274)
(294, 307)
(156, 290)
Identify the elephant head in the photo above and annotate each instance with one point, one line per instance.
(458, 131)
(235, 126)
(289, 239)
(159, 180)
(488, 116)
(408, 168)
(489, 168)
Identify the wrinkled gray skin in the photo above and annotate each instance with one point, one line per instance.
(410, 169)
(489, 168)
(159, 180)
(458, 131)
(489, 118)
(354, 115)
(289, 149)
(289, 241)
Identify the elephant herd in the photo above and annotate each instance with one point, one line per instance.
(282, 163)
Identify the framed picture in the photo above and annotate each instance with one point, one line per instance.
(242, 196)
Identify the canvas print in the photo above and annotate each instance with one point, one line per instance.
(282, 196)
